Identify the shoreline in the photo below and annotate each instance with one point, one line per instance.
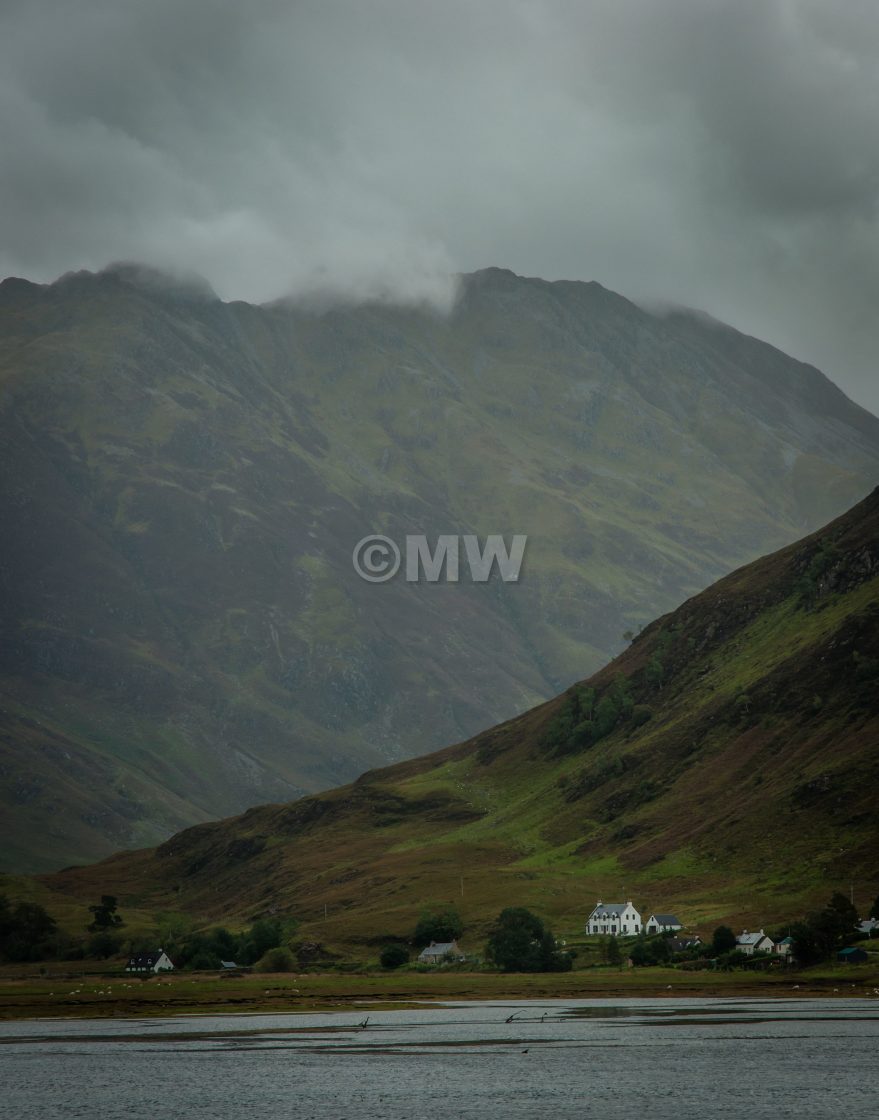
(97, 996)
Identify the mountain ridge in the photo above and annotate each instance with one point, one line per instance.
(183, 481)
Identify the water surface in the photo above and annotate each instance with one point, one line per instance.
(560, 1059)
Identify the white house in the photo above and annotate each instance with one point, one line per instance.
(662, 923)
(616, 918)
(754, 942)
(438, 951)
(157, 961)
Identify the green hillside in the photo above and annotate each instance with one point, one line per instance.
(724, 767)
(182, 482)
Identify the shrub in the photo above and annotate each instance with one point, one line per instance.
(392, 956)
(278, 959)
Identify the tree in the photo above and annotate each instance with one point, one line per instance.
(104, 916)
(606, 715)
(655, 671)
(825, 932)
(874, 909)
(444, 924)
(650, 950)
(614, 956)
(519, 942)
(26, 931)
(392, 956)
(723, 940)
(264, 934)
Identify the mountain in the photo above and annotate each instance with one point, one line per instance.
(183, 481)
(724, 767)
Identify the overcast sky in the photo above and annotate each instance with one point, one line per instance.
(718, 153)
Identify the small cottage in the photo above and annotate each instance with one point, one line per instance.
(157, 961)
(662, 923)
(682, 944)
(751, 943)
(785, 947)
(439, 951)
(615, 918)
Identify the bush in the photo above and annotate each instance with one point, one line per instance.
(279, 959)
(392, 956)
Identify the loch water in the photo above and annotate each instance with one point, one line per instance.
(666, 1059)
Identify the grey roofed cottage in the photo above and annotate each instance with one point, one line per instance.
(437, 951)
(754, 942)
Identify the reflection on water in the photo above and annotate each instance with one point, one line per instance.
(723, 1058)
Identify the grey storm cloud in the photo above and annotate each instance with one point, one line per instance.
(722, 154)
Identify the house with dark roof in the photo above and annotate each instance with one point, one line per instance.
(156, 961)
(619, 919)
(438, 951)
(662, 923)
(682, 944)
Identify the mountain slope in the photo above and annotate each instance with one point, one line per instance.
(739, 783)
(182, 482)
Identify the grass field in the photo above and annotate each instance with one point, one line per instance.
(65, 993)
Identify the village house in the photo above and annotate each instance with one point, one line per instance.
(157, 961)
(751, 943)
(681, 944)
(785, 947)
(662, 923)
(438, 951)
(619, 919)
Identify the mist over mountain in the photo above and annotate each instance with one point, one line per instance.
(183, 481)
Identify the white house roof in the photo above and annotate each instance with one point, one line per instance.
(612, 908)
(751, 938)
(440, 948)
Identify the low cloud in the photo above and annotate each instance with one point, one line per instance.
(716, 153)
